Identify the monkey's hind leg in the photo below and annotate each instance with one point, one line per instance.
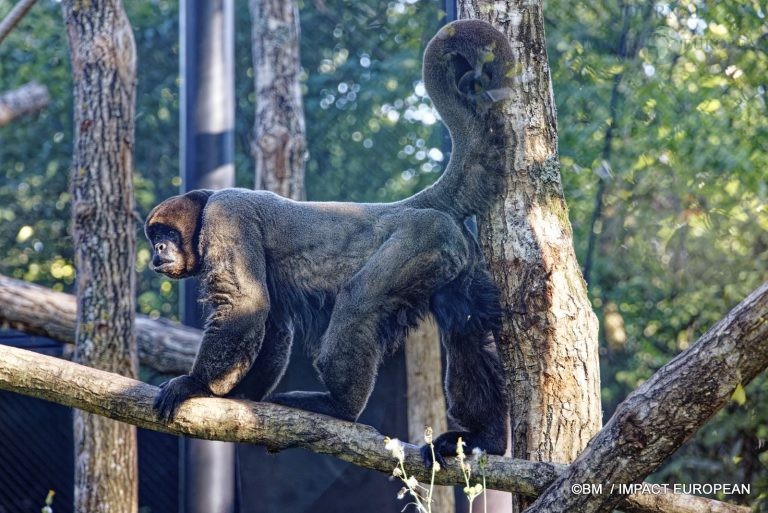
(474, 380)
(347, 361)
(477, 402)
(347, 364)
(375, 308)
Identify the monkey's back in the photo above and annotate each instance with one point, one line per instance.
(313, 249)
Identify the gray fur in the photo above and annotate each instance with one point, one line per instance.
(349, 279)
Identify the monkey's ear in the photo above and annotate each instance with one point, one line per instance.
(199, 196)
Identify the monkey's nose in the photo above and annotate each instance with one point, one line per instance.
(159, 261)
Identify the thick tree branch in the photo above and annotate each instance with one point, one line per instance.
(278, 427)
(14, 17)
(27, 99)
(165, 347)
(667, 409)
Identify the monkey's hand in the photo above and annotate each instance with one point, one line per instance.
(176, 391)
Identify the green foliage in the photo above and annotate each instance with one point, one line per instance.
(36, 152)
(364, 100)
(370, 129)
(683, 234)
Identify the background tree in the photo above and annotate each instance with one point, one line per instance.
(279, 140)
(103, 60)
(425, 396)
(549, 332)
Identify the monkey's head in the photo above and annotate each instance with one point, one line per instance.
(173, 229)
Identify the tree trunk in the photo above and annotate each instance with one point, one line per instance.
(27, 99)
(279, 141)
(549, 334)
(103, 228)
(425, 398)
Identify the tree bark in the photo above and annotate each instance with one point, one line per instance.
(279, 139)
(425, 397)
(27, 99)
(103, 228)
(549, 338)
(165, 347)
(667, 409)
(278, 427)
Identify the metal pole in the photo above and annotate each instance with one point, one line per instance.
(208, 469)
(451, 11)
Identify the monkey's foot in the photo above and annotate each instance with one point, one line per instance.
(446, 446)
(176, 391)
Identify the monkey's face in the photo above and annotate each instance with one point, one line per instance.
(172, 228)
(167, 252)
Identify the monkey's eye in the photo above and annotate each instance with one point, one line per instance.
(166, 234)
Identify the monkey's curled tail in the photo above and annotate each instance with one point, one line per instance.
(468, 72)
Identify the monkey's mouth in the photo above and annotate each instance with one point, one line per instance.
(162, 265)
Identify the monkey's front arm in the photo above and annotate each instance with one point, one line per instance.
(234, 287)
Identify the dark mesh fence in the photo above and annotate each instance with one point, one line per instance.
(36, 451)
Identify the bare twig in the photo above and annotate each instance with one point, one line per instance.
(13, 17)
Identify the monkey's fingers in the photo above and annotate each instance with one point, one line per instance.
(166, 404)
(176, 391)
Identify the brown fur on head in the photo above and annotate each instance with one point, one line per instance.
(173, 228)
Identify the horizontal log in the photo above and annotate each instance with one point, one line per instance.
(165, 347)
